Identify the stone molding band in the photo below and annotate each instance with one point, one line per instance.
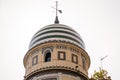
(65, 68)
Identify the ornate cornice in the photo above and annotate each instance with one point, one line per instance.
(64, 68)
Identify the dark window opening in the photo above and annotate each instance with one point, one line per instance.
(48, 57)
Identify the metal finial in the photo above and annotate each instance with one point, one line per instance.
(56, 7)
(56, 18)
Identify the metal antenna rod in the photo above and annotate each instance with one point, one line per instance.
(56, 7)
(101, 59)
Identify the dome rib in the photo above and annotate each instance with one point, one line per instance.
(59, 28)
(57, 32)
(56, 36)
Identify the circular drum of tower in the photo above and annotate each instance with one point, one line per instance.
(56, 52)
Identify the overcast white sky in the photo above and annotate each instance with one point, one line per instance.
(97, 21)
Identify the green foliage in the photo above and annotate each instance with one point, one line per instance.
(100, 75)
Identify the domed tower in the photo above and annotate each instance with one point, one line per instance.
(56, 52)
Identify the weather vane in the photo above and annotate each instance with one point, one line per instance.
(57, 10)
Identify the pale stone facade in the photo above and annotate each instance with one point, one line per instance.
(73, 64)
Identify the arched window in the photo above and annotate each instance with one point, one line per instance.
(48, 56)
